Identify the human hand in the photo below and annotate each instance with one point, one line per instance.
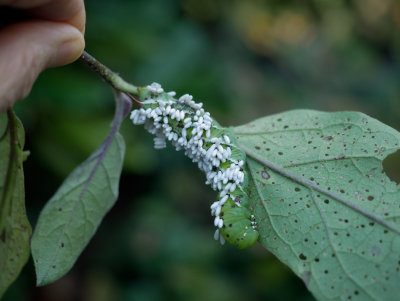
(52, 36)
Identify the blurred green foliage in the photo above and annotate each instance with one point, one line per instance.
(243, 59)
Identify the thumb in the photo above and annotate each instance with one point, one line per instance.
(27, 48)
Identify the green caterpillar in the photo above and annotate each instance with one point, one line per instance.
(238, 228)
(213, 148)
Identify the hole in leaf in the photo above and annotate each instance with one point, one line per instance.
(265, 175)
(390, 166)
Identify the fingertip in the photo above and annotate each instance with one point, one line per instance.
(68, 50)
(30, 47)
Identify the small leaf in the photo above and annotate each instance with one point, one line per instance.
(73, 214)
(323, 203)
(15, 229)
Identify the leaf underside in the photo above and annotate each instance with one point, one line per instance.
(323, 203)
(73, 214)
(15, 229)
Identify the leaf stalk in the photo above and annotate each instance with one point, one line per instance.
(112, 78)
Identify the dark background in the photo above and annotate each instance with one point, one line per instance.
(243, 59)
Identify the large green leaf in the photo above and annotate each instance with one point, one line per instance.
(15, 229)
(323, 203)
(72, 216)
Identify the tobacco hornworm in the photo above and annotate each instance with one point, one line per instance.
(185, 123)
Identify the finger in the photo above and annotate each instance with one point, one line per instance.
(30, 47)
(69, 11)
(24, 4)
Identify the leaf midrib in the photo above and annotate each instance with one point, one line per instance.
(322, 128)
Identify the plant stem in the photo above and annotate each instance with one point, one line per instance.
(109, 76)
(316, 187)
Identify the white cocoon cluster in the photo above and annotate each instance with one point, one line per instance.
(193, 136)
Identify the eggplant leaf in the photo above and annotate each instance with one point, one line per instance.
(72, 216)
(323, 204)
